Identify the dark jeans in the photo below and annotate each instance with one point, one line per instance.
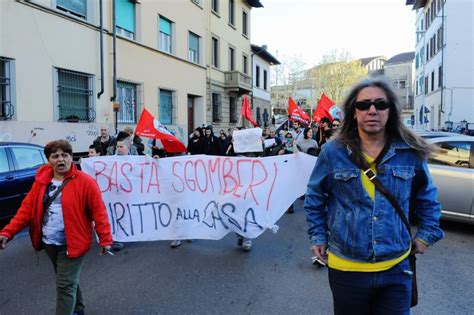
(68, 270)
(384, 292)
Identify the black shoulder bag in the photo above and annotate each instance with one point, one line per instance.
(47, 200)
(412, 258)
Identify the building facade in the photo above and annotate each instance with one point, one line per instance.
(261, 97)
(444, 87)
(229, 60)
(69, 66)
(374, 65)
(399, 72)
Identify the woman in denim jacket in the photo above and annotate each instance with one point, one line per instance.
(352, 226)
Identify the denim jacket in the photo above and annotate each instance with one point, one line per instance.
(341, 214)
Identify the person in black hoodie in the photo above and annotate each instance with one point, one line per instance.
(195, 142)
(224, 144)
(210, 142)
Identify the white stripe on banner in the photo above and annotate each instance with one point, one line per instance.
(197, 196)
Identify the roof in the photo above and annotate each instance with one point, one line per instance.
(254, 3)
(262, 52)
(416, 3)
(403, 57)
(366, 61)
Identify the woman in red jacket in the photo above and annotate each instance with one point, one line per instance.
(60, 210)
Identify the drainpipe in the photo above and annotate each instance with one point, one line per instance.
(101, 51)
(114, 66)
(442, 62)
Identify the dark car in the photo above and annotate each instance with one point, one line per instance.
(18, 165)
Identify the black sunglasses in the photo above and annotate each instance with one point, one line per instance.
(378, 104)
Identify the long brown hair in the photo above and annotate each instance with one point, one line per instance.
(394, 129)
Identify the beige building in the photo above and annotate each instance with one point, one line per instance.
(60, 78)
(400, 73)
(229, 60)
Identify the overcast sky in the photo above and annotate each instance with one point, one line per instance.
(312, 28)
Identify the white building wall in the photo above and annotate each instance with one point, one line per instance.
(454, 101)
(259, 91)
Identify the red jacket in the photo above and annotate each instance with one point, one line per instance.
(81, 203)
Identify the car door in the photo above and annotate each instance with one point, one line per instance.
(8, 183)
(453, 174)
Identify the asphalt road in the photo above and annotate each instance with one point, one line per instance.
(216, 277)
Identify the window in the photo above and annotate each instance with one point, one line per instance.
(426, 85)
(440, 38)
(232, 109)
(127, 98)
(244, 24)
(440, 76)
(193, 47)
(165, 35)
(427, 51)
(257, 76)
(6, 88)
(433, 10)
(3, 161)
(258, 116)
(402, 84)
(452, 153)
(265, 78)
(432, 81)
(416, 87)
(216, 107)
(27, 157)
(166, 107)
(231, 59)
(417, 61)
(74, 7)
(245, 64)
(75, 96)
(231, 12)
(421, 85)
(215, 6)
(198, 2)
(125, 18)
(215, 52)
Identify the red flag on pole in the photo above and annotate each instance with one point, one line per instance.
(296, 113)
(247, 111)
(148, 126)
(326, 108)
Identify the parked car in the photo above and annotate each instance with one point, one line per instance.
(18, 165)
(452, 169)
(436, 134)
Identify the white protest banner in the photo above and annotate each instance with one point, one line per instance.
(197, 196)
(247, 140)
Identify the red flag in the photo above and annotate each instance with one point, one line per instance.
(150, 127)
(247, 111)
(296, 113)
(326, 108)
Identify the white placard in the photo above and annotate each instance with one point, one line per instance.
(247, 140)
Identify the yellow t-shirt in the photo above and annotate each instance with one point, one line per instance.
(343, 264)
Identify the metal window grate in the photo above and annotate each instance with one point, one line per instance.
(7, 109)
(127, 97)
(75, 96)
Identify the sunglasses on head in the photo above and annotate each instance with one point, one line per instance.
(378, 104)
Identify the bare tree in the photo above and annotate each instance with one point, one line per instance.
(286, 81)
(336, 73)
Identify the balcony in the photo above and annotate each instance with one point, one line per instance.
(237, 82)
